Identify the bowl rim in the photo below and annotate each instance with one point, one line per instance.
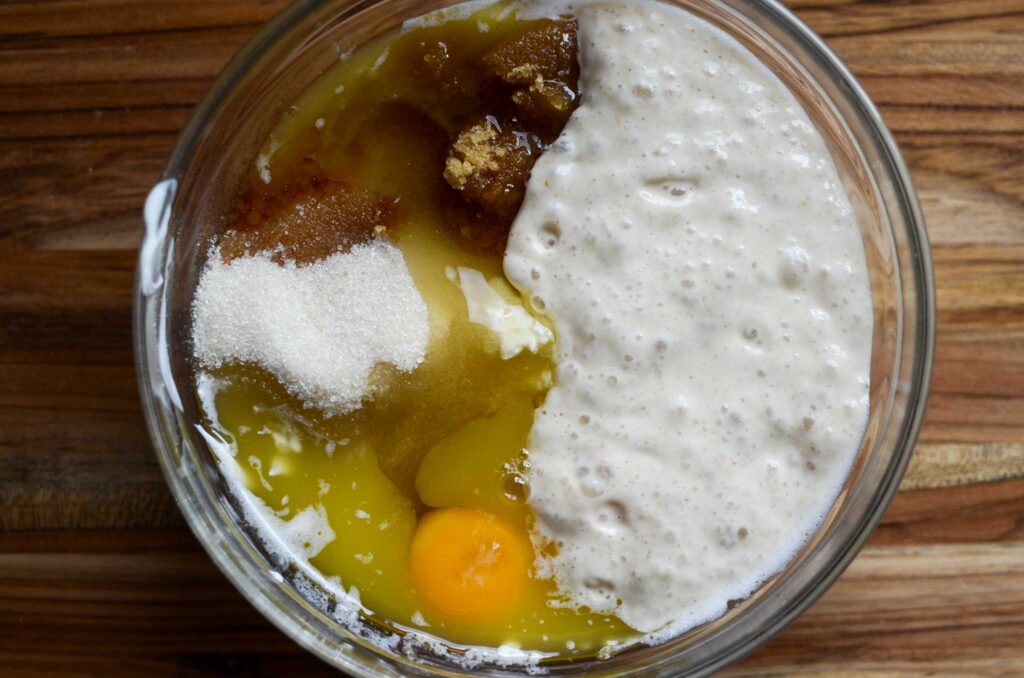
(155, 245)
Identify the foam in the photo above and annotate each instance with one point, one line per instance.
(689, 238)
(320, 329)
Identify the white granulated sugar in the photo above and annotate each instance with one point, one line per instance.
(321, 328)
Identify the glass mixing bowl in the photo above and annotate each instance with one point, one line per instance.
(224, 135)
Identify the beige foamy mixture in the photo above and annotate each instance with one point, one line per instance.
(690, 239)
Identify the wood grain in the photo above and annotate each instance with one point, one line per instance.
(99, 576)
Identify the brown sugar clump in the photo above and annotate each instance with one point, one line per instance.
(546, 104)
(436, 63)
(548, 50)
(542, 65)
(320, 218)
(490, 160)
(475, 151)
(473, 229)
(489, 163)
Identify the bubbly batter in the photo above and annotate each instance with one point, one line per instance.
(689, 238)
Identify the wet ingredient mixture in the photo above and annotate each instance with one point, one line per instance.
(543, 329)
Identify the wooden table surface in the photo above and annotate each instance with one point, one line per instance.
(99, 574)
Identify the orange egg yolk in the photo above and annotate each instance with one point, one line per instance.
(468, 563)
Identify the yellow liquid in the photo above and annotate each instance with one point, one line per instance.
(450, 433)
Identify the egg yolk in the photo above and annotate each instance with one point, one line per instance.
(468, 563)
